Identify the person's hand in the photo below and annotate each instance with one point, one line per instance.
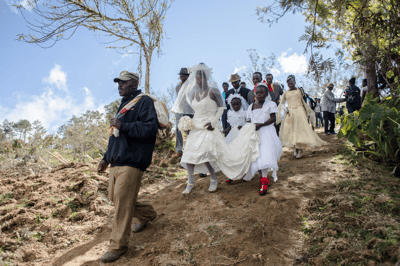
(209, 126)
(239, 127)
(259, 125)
(102, 166)
(115, 122)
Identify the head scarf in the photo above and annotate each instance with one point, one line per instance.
(264, 84)
(290, 77)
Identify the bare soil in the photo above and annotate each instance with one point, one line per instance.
(328, 208)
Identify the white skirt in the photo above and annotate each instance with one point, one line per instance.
(270, 153)
(234, 160)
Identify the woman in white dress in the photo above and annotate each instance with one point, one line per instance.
(205, 149)
(263, 114)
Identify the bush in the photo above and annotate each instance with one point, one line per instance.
(380, 122)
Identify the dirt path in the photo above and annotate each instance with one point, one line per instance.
(234, 226)
(332, 207)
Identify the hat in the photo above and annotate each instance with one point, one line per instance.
(330, 85)
(126, 75)
(184, 71)
(234, 77)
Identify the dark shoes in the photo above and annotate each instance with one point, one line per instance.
(110, 257)
(327, 133)
(202, 175)
(333, 133)
(139, 228)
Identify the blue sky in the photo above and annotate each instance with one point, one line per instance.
(77, 75)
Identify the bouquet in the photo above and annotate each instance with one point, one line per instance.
(185, 124)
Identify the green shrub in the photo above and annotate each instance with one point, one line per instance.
(380, 122)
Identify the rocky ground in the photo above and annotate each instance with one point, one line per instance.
(330, 207)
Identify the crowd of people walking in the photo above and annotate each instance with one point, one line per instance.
(239, 131)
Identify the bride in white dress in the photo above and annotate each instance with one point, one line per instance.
(205, 149)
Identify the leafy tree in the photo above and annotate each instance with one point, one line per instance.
(37, 136)
(132, 23)
(23, 127)
(111, 109)
(8, 129)
(368, 32)
(82, 134)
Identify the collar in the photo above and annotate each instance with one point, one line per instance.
(131, 96)
(237, 90)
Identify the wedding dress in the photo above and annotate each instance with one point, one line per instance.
(203, 145)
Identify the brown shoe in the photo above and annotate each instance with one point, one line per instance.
(176, 155)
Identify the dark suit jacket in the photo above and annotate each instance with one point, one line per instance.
(251, 96)
(242, 91)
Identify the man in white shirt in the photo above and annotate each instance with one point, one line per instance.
(364, 90)
(329, 109)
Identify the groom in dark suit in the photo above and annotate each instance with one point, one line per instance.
(235, 81)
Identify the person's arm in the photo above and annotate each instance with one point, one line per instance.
(218, 114)
(147, 123)
(270, 121)
(333, 99)
(226, 131)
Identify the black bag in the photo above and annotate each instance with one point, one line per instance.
(353, 94)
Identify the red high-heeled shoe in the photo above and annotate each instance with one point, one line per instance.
(264, 182)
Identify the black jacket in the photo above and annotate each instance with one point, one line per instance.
(137, 135)
(242, 91)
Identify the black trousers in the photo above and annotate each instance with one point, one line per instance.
(351, 109)
(329, 117)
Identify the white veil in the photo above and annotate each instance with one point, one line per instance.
(232, 96)
(263, 84)
(191, 91)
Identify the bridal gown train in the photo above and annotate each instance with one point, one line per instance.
(203, 145)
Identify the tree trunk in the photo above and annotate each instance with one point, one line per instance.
(147, 79)
(372, 78)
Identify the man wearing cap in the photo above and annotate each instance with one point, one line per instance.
(129, 155)
(329, 109)
(243, 84)
(183, 76)
(237, 89)
(225, 124)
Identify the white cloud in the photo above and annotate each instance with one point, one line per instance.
(238, 69)
(24, 3)
(57, 77)
(53, 107)
(276, 72)
(293, 64)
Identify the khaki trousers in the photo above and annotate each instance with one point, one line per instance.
(123, 191)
